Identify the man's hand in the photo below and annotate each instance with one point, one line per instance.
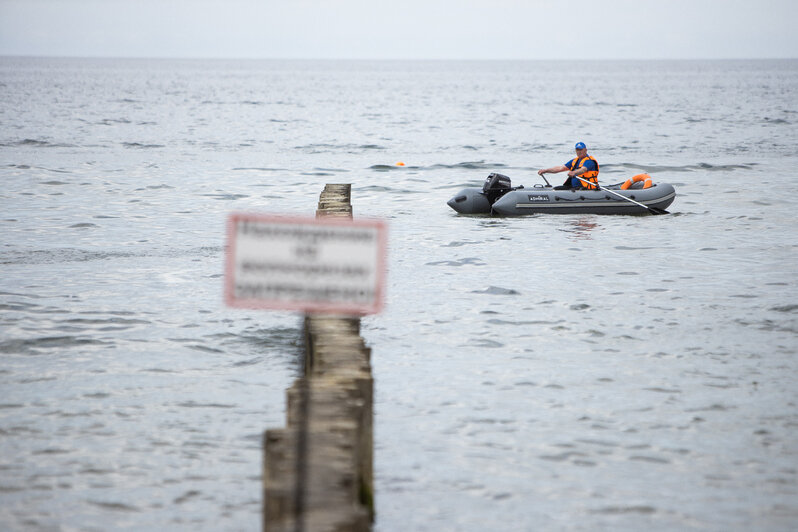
(574, 173)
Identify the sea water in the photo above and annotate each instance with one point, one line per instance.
(571, 372)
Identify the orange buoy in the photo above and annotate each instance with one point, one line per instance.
(639, 177)
(400, 163)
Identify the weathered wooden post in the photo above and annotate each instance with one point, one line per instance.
(318, 471)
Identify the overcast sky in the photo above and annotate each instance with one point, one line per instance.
(402, 29)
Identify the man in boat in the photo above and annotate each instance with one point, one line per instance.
(583, 165)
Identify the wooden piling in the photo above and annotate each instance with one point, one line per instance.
(318, 471)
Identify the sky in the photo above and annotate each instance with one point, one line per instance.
(401, 29)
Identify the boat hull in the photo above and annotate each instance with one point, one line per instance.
(538, 200)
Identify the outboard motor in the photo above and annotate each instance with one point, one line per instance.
(473, 200)
(496, 186)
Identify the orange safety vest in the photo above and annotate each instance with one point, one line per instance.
(590, 175)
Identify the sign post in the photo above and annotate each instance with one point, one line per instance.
(329, 265)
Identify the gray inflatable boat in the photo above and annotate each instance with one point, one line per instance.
(498, 197)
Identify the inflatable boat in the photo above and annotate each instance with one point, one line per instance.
(636, 196)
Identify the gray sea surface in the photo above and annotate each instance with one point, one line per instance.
(571, 372)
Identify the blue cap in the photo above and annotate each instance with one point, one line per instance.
(580, 146)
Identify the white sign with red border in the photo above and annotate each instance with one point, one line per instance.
(332, 265)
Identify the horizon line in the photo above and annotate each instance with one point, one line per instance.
(397, 59)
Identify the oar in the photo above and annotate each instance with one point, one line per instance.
(652, 210)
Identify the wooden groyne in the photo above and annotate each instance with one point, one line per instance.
(318, 471)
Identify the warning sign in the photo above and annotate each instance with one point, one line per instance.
(315, 265)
